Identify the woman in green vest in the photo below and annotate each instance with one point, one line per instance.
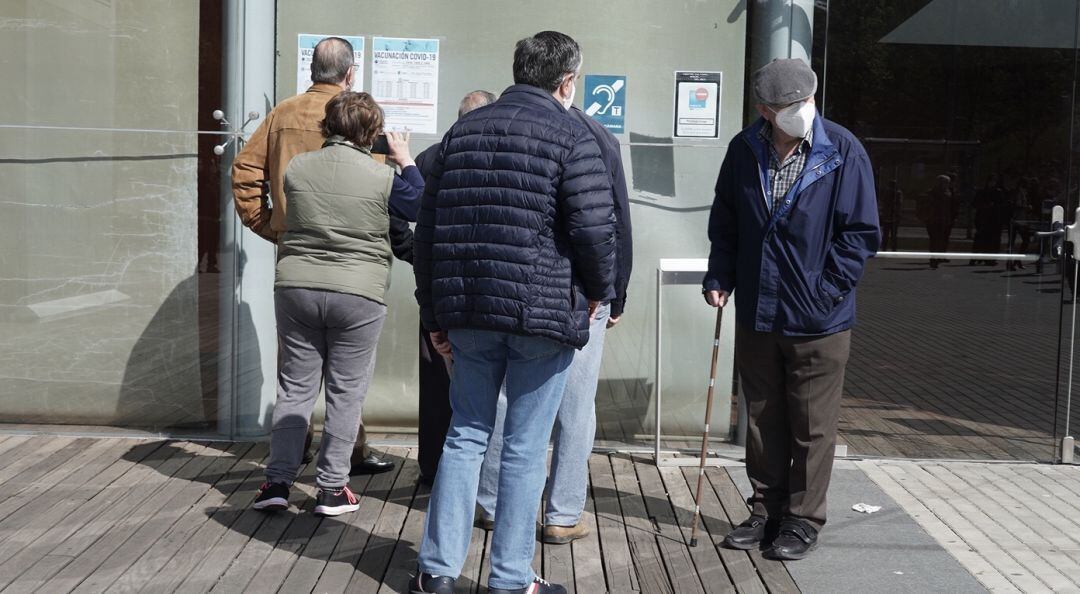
(332, 272)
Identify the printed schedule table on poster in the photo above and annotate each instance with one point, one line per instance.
(405, 82)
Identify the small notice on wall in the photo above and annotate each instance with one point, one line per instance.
(697, 104)
(305, 49)
(405, 82)
(605, 101)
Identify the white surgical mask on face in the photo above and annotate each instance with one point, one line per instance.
(796, 120)
(570, 100)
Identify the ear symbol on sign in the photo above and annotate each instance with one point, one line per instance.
(610, 91)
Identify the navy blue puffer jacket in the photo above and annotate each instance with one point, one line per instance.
(516, 231)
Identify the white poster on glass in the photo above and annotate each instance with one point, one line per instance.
(697, 104)
(305, 49)
(405, 82)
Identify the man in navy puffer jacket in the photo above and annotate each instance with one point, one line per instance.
(514, 250)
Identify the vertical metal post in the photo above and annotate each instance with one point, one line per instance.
(781, 29)
(659, 342)
(248, 339)
(233, 46)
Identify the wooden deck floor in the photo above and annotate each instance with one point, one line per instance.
(125, 515)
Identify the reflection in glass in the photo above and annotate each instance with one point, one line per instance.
(964, 109)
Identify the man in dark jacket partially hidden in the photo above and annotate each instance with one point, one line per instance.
(793, 223)
(513, 253)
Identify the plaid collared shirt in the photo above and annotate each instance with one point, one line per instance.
(782, 175)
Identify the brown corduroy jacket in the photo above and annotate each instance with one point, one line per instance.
(290, 129)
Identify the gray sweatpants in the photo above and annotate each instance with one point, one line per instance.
(321, 332)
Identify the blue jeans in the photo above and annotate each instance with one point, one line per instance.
(575, 429)
(534, 370)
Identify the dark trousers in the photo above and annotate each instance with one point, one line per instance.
(435, 408)
(793, 386)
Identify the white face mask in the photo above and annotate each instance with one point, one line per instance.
(796, 120)
(570, 100)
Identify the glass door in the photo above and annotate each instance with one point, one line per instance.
(964, 337)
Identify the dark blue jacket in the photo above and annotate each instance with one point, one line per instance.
(516, 231)
(611, 153)
(794, 271)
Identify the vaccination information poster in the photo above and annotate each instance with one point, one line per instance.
(405, 82)
(305, 47)
(697, 104)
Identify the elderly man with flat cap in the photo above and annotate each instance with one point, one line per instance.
(792, 225)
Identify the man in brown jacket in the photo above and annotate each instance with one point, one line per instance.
(290, 129)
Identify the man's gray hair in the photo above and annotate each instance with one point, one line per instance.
(544, 59)
(331, 61)
(475, 100)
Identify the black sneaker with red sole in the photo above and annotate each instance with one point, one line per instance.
(331, 502)
(272, 497)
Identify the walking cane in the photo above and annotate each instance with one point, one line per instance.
(705, 434)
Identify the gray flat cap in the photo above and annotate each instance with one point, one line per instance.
(784, 81)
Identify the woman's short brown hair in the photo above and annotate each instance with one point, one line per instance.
(353, 115)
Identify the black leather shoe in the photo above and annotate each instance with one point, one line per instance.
(796, 540)
(372, 464)
(747, 535)
(425, 583)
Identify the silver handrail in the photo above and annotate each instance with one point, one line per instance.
(957, 255)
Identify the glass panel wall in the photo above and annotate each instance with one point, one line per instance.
(109, 210)
(670, 180)
(965, 110)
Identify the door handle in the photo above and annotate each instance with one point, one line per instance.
(1058, 233)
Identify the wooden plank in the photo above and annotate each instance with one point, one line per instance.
(652, 576)
(29, 449)
(587, 556)
(317, 549)
(31, 503)
(41, 510)
(619, 570)
(119, 495)
(275, 570)
(403, 561)
(12, 442)
(373, 564)
(469, 580)
(253, 552)
(342, 562)
(681, 570)
(309, 566)
(707, 561)
(714, 527)
(87, 559)
(243, 460)
(38, 451)
(558, 565)
(211, 464)
(225, 520)
(73, 507)
(485, 564)
(31, 475)
(773, 573)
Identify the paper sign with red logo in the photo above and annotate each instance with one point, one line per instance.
(697, 104)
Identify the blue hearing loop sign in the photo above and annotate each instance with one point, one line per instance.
(605, 101)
